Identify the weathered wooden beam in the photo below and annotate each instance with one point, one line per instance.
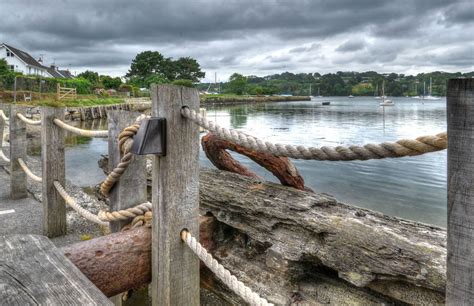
(53, 169)
(363, 246)
(17, 150)
(34, 272)
(175, 195)
(460, 114)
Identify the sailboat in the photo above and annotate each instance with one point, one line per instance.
(385, 102)
(429, 96)
(319, 95)
(416, 91)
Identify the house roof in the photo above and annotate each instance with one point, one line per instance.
(67, 74)
(25, 57)
(55, 73)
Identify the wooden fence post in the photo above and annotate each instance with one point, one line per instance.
(52, 157)
(17, 150)
(131, 189)
(460, 266)
(2, 128)
(175, 268)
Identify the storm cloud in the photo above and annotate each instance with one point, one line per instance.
(246, 36)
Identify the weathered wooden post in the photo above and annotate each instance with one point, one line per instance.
(17, 150)
(460, 266)
(52, 158)
(131, 189)
(2, 128)
(175, 269)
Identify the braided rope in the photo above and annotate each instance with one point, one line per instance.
(125, 141)
(81, 132)
(403, 147)
(4, 157)
(125, 214)
(2, 114)
(222, 273)
(28, 121)
(73, 204)
(28, 172)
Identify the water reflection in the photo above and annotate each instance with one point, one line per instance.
(412, 187)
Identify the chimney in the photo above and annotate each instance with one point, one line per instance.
(40, 60)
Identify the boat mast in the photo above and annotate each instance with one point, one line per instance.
(430, 86)
(309, 89)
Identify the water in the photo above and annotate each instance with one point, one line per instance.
(410, 187)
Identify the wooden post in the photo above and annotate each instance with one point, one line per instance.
(52, 157)
(131, 189)
(460, 266)
(2, 128)
(17, 150)
(175, 268)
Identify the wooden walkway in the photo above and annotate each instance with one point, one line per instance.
(23, 216)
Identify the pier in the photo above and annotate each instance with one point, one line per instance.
(258, 242)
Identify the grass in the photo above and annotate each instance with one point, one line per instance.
(80, 102)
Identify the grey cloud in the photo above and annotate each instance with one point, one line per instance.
(108, 33)
(351, 46)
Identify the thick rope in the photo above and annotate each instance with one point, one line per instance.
(104, 217)
(4, 117)
(125, 141)
(28, 121)
(3, 156)
(222, 273)
(73, 204)
(403, 147)
(81, 132)
(125, 214)
(28, 172)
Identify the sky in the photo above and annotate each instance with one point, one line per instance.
(247, 36)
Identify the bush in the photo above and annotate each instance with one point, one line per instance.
(185, 83)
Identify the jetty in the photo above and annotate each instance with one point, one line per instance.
(228, 231)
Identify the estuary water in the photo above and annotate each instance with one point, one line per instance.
(410, 187)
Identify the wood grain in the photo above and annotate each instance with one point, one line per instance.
(53, 169)
(17, 150)
(34, 272)
(460, 114)
(175, 195)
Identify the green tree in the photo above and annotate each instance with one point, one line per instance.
(110, 82)
(4, 68)
(147, 64)
(154, 79)
(91, 76)
(186, 68)
(237, 83)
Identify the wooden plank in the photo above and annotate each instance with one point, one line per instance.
(34, 272)
(18, 147)
(460, 265)
(175, 194)
(53, 169)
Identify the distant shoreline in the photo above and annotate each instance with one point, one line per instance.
(250, 99)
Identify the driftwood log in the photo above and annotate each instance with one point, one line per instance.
(291, 245)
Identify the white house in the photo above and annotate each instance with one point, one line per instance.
(21, 61)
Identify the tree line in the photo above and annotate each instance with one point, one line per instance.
(337, 84)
